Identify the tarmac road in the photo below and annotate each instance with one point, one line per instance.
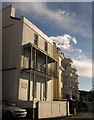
(83, 116)
(80, 116)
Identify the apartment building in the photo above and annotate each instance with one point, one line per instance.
(30, 67)
(67, 82)
(66, 91)
(31, 52)
(74, 84)
(59, 56)
(70, 81)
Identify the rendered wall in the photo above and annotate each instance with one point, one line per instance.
(28, 36)
(52, 109)
(10, 85)
(11, 44)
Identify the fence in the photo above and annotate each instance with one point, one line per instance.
(49, 109)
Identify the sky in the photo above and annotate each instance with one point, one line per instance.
(69, 24)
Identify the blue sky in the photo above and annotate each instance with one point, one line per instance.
(69, 24)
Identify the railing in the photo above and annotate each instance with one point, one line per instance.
(25, 64)
(41, 67)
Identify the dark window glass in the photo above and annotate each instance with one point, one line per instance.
(36, 39)
(66, 66)
(46, 46)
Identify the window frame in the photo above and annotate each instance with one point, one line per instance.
(35, 39)
(45, 46)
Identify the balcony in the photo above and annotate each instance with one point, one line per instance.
(26, 64)
(41, 67)
(51, 72)
(67, 72)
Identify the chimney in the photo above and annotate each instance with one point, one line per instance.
(12, 11)
(9, 11)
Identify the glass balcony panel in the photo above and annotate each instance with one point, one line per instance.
(41, 67)
(26, 62)
(32, 64)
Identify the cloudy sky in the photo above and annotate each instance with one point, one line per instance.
(69, 24)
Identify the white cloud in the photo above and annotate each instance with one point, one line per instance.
(79, 50)
(64, 41)
(74, 40)
(66, 20)
(84, 67)
(80, 60)
(63, 19)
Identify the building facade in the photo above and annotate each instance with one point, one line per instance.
(70, 81)
(67, 83)
(74, 84)
(28, 52)
(33, 67)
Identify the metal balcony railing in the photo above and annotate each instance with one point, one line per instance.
(40, 67)
(27, 64)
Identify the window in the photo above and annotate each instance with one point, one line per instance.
(35, 39)
(46, 46)
(65, 66)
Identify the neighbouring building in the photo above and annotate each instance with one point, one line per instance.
(70, 81)
(67, 82)
(74, 84)
(36, 74)
(67, 91)
(59, 56)
(28, 59)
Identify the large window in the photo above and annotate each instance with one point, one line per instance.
(35, 39)
(46, 46)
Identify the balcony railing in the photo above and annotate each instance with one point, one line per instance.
(41, 67)
(25, 64)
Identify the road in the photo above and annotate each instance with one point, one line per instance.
(83, 116)
(80, 116)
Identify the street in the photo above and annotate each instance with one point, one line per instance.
(80, 116)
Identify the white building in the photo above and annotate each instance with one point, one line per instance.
(29, 67)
